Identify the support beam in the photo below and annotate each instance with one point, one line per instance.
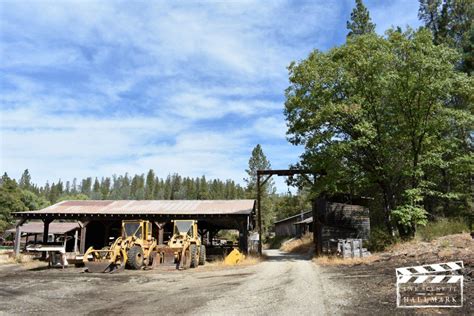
(259, 215)
(82, 245)
(46, 223)
(243, 238)
(106, 232)
(76, 237)
(161, 232)
(18, 236)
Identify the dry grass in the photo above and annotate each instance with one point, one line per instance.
(219, 263)
(336, 261)
(298, 245)
(5, 258)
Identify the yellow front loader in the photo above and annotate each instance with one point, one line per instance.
(184, 249)
(134, 249)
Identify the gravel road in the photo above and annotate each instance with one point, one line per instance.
(281, 285)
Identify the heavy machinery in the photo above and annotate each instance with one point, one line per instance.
(184, 249)
(134, 249)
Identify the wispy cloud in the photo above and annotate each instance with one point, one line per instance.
(103, 87)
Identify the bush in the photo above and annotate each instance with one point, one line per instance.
(275, 242)
(380, 239)
(442, 227)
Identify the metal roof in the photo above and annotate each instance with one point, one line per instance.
(146, 207)
(305, 221)
(292, 217)
(54, 228)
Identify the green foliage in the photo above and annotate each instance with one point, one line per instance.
(275, 242)
(78, 197)
(32, 201)
(379, 114)
(380, 239)
(150, 185)
(360, 22)
(258, 161)
(287, 205)
(442, 227)
(10, 201)
(450, 21)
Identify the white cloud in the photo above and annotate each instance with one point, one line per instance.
(96, 88)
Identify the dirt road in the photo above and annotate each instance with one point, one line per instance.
(281, 285)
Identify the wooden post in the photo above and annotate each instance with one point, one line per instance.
(82, 245)
(18, 236)
(161, 232)
(106, 233)
(46, 223)
(259, 216)
(243, 238)
(76, 237)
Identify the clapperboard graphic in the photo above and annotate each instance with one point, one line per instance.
(432, 285)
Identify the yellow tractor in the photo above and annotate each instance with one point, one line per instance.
(134, 249)
(184, 249)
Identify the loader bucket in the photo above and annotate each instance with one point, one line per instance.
(98, 266)
(97, 261)
(166, 257)
(234, 257)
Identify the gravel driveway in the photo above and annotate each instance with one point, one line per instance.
(283, 284)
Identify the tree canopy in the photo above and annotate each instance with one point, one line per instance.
(378, 113)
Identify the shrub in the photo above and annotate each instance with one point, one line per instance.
(442, 227)
(275, 242)
(380, 239)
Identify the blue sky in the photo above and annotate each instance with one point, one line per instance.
(95, 88)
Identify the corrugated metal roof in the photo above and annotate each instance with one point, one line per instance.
(305, 221)
(150, 207)
(292, 217)
(54, 228)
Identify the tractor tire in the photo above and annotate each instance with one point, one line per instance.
(135, 258)
(202, 255)
(194, 256)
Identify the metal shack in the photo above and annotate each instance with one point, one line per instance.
(289, 226)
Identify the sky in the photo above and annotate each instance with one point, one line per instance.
(96, 88)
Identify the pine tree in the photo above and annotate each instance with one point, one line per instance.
(74, 186)
(105, 188)
(150, 185)
(360, 22)
(25, 180)
(258, 161)
(86, 186)
(450, 21)
(96, 190)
